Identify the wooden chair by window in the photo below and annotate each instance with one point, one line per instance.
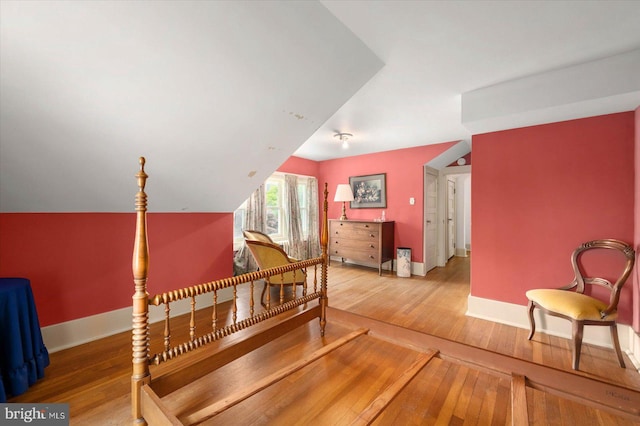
(252, 235)
(269, 255)
(579, 308)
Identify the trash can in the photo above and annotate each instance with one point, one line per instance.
(403, 262)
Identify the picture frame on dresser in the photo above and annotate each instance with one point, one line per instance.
(369, 191)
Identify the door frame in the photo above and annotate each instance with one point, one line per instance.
(450, 215)
(435, 173)
(442, 208)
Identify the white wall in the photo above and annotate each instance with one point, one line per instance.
(467, 212)
(463, 213)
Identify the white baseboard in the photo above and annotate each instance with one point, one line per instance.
(461, 252)
(517, 316)
(634, 347)
(83, 330)
(417, 268)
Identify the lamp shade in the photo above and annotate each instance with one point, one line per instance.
(343, 193)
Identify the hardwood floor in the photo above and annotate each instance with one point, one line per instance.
(94, 378)
(436, 304)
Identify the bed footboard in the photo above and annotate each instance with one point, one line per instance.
(234, 295)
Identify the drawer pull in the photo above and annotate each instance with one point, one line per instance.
(371, 235)
(372, 246)
(371, 257)
(366, 226)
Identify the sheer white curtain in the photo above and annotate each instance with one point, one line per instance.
(297, 247)
(313, 231)
(254, 219)
(301, 247)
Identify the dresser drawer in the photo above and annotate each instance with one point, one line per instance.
(347, 243)
(359, 232)
(355, 253)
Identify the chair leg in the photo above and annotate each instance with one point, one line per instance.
(264, 290)
(616, 344)
(578, 328)
(532, 323)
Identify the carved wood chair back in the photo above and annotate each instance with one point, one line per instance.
(571, 303)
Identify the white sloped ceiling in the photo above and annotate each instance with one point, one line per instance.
(216, 95)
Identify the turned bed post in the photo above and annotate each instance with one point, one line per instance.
(324, 241)
(140, 329)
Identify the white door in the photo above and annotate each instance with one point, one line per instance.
(451, 218)
(430, 217)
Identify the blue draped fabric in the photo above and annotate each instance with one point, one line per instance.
(23, 356)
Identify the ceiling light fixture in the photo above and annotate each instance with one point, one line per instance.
(344, 137)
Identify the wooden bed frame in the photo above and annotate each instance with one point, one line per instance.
(146, 394)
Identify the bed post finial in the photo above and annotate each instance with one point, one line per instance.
(140, 263)
(141, 175)
(140, 327)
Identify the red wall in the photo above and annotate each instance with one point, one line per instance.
(404, 169)
(79, 264)
(538, 192)
(301, 166)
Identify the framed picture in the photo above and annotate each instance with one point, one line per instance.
(369, 192)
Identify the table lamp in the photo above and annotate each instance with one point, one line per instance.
(344, 194)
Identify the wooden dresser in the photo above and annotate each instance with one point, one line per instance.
(362, 241)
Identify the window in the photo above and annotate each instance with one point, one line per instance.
(274, 194)
(275, 212)
(238, 220)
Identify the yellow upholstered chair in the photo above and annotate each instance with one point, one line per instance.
(269, 255)
(252, 235)
(580, 308)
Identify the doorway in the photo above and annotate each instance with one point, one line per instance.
(430, 219)
(451, 218)
(450, 201)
